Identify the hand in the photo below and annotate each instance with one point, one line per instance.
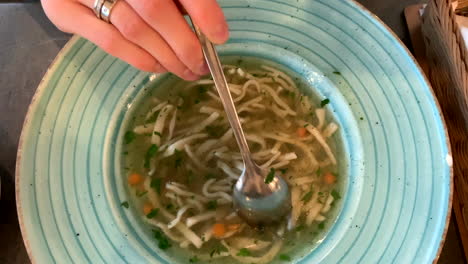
(151, 35)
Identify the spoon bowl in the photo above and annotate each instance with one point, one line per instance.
(261, 197)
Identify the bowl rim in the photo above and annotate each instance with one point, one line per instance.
(75, 38)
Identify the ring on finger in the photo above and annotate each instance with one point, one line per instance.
(97, 7)
(106, 9)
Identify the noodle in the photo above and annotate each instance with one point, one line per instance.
(188, 161)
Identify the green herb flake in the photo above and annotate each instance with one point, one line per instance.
(321, 226)
(306, 124)
(178, 159)
(243, 252)
(212, 205)
(324, 102)
(306, 198)
(152, 151)
(125, 153)
(153, 118)
(163, 242)
(193, 259)
(283, 171)
(319, 172)
(299, 228)
(217, 250)
(140, 194)
(202, 90)
(284, 257)
(336, 195)
(129, 137)
(271, 175)
(197, 101)
(125, 204)
(156, 185)
(169, 206)
(190, 177)
(157, 133)
(337, 72)
(153, 213)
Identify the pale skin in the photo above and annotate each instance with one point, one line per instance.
(151, 35)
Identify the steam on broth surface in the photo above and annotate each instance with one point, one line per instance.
(182, 160)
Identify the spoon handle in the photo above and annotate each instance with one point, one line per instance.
(219, 79)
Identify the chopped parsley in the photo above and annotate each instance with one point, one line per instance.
(149, 154)
(129, 137)
(212, 205)
(243, 252)
(153, 118)
(337, 72)
(169, 206)
(190, 177)
(306, 124)
(157, 133)
(321, 225)
(140, 194)
(124, 204)
(271, 175)
(300, 228)
(218, 251)
(163, 242)
(283, 171)
(284, 257)
(336, 195)
(319, 172)
(178, 159)
(156, 185)
(307, 196)
(153, 213)
(324, 102)
(193, 259)
(125, 153)
(202, 90)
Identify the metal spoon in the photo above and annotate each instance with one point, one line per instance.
(260, 196)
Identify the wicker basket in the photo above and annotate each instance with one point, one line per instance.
(447, 71)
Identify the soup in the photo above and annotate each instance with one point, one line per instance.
(182, 161)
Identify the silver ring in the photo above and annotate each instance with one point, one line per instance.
(97, 7)
(106, 9)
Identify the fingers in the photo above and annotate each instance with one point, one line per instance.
(207, 14)
(82, 21)
(165, 18)
(132, 27)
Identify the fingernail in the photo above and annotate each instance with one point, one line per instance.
(221, 33)
(190, 76)
(204, 68)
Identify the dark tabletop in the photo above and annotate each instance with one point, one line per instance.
(29, 43)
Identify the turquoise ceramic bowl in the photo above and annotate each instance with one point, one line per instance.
(398, 195)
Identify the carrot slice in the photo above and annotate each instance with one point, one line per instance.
(135, 179)
(301, 132)
(219, 230)
(147, 208)
(329, 178)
